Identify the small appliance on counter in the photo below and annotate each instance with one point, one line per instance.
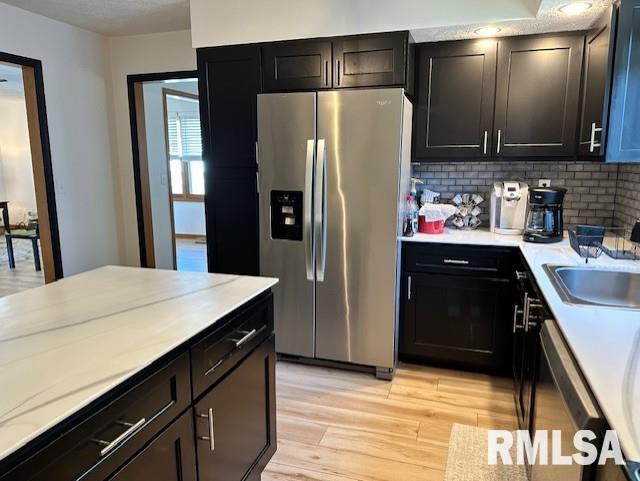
(544, 222)
(508, 207)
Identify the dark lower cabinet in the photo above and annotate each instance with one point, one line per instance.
(623, 142)
(456, 89)
(297, 65)
(456, 307)
(537, 95)
(235, 421)
(169, 457)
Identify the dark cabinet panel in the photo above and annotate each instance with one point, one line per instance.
(229, 80)
(623, 144)
(235, 421)
(232, 221)
(297, 65)
(456, 89)
(455, 319)
(598, 60)
(169, 457)
(537, 94)
(370, 60)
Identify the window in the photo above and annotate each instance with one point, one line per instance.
(184, 145)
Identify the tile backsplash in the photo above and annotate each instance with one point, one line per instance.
(598, 193)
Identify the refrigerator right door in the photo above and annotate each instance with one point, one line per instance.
(355, 228)
(286, 153)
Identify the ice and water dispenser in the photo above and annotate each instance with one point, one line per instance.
(286, 214)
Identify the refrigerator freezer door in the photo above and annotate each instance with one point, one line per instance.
(286, 148)
(355, 305)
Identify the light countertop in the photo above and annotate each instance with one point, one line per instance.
(605, 341)
(65, 344)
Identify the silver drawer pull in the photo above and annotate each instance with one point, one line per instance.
(110, 446)
(212, 437)
(458, 262)
(246, 337)
(214, 367)
(521, 275)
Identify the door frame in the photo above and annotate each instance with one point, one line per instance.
(33, 82)
(140, 159)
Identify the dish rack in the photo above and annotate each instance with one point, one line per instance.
(591, 241)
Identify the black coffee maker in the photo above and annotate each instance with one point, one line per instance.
(544, 221)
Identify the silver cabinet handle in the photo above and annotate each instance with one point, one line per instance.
(516, 311)
(124, 437)
(409, 288)
(257, 154)
(257, 182)
(338, 72)
(486, 138)
(214, 367)
(521, 275)
(320, 213)
(326, 73)
(499, 139)
(458, 262)
(592, 141)
(307, 206)
(246, 337)
(528, 304)
(212, 436)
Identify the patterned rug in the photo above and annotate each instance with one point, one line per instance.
(467, 458)
(22, 250)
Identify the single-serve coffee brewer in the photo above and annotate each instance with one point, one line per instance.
(544, 222)
(508, 207)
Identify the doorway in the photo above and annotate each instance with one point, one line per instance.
(30, 248)
(168, 170)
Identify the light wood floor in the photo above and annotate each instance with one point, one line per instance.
(343, 426)
(23, 277)
(191, 255)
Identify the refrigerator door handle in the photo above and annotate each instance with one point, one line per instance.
(320, 211)
(307, 206)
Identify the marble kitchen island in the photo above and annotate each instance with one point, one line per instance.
(126, 373)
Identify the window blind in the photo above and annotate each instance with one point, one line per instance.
(185, 140)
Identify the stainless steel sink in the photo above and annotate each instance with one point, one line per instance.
(579, 285)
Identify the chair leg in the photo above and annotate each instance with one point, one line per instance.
(36, 254)
(12, 260)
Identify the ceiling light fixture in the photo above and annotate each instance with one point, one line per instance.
(487, 31)
(575, 8)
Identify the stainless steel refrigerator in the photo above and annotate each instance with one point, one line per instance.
(333, 174)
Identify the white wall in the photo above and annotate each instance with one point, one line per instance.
(246, 21)
(189, 218)
(164, 52)
(75, 64)
(16, 171)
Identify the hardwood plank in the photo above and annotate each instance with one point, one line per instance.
(416, 371)
(430, 455)
(493, 391)
(282, 472)
(300, 430)
(498, 421)
(354, 465)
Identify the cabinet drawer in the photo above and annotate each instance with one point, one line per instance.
(99, 445)
(458, 259)
(223, 348)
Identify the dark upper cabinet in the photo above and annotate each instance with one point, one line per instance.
(623, 142)
(537, 95)
(229, 80)
(598, 60)
(456, 89)
(297, 65)
(235, 421)
(169, 457)
(370, 60)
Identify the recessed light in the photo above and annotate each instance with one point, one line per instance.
(575, 8)
(487, 31)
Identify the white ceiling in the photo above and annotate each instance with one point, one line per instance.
(13, 76)
(132, 17)
(114, 17)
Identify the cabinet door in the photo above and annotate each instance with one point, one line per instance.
(229, 79)
(623, 144)
(297, 65)
(538, 88)
(457, 320)
(598, 60)
(235, 421)
(456, 89)
(370, 60)
(231, 212)
(169, 457)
